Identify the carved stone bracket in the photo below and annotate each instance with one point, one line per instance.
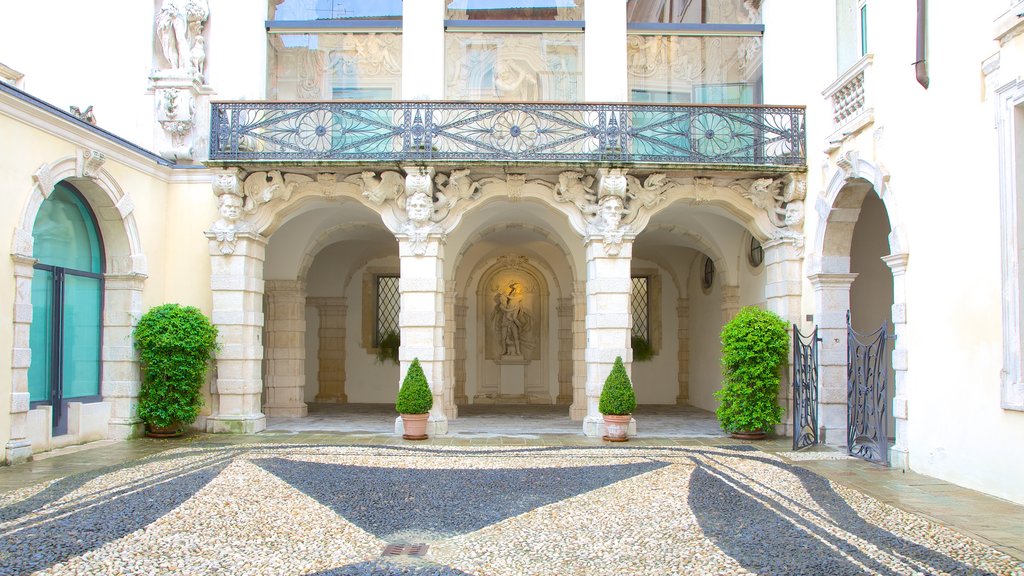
(88, 163)
(227, 187)
(782, 199)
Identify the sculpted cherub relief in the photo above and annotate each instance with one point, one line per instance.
(575, 187)
(378, 190)
(781, 199)
(454, 187)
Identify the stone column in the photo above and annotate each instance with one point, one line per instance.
(122, 379)
(608, 322)
(683, 354)
(578, 409)
(565, 311)
(783, 262)
(899, 454)
(449, 351)
(286, 348)
(730, 302)
(831, 303)
(19, 448)
(422, 319)
(461, 309)
(332, 312)
(237, 283)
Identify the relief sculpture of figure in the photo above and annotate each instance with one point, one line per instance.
(179, 25)
(512, 82)
(510, 321)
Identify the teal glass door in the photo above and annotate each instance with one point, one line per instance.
(67, 306)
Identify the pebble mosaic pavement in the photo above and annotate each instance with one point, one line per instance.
(330, 510)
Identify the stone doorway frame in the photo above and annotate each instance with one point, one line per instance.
(838, 212)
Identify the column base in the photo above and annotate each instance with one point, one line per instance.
(682, 401)
(331, 399)
(18, 451)
(125, 429)
(461, 400)
(593, 426)
(286, 411)
(899, 458)
(436, 426)
(236, 424)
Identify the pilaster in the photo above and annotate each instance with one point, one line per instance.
(683, 353)
(607, 321)
(421, 319)
(565, 338)
(19, 448)
(831, 303)
(783, 262)
(450, 408)
(122, 378)
(236, 281)
(461, 309)
(332, 312)
(285, 348)
(578, 409)
(899, 453)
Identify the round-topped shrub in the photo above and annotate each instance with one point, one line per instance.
(175, 344)
(754, 346)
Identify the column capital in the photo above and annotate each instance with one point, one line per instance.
(897, 263)
(822, 281)
(325, 303)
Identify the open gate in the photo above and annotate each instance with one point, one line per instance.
(867, 376)
(805, 388)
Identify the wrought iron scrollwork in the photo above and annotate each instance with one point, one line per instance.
(867, 376)
(805, 388)
(488, 131)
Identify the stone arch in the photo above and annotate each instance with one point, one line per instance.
(124, 274)
(839, 209)
(706, 245)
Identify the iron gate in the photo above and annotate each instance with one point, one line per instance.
(867, 376)
(805, 388)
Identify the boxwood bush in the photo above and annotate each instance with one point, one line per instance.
(414, 396)
(754, 346)
(175, 345)
(617, 397)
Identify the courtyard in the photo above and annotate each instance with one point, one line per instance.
(331, 503)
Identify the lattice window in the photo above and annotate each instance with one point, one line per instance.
(388, 306)
(640, 307)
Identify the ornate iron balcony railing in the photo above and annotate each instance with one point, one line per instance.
(458, 132)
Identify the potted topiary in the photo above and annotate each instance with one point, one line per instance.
(754, 347)
(617, 402)
(414, 402)
(175, 344)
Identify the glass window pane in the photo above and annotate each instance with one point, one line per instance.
(693, 11)
(64, 233)
(514, 10)
(81, 342)
(388, 307)
(336, 10)
(40, 336)
(694, 69)
(514, 67)
(364, 66)
(640, 307)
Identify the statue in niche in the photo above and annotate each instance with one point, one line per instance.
(510, 321)
(512, 83)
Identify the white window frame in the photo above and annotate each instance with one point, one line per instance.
(1010, 130)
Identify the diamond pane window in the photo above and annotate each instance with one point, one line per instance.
(639, 304)
(388, 306)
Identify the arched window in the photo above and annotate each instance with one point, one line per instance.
(67, 305)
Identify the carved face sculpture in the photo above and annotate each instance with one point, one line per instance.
(230, 208)
(611, 212)
(419, 207)
(794, 214)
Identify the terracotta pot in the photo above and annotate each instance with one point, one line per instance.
(748, 435)
(415, 426)
(172, 431)
(616, 427)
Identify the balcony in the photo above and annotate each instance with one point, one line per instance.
(850, 98)
(445, 132)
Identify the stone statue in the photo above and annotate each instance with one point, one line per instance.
(419, 207)
(178, 26)
(512, 83)
(509, 320)
(576, 188)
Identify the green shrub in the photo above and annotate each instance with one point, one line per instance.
(642, 349)
(754, 346)
(617, 397)
(175, 344)
(414, 396)
(387, 348)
